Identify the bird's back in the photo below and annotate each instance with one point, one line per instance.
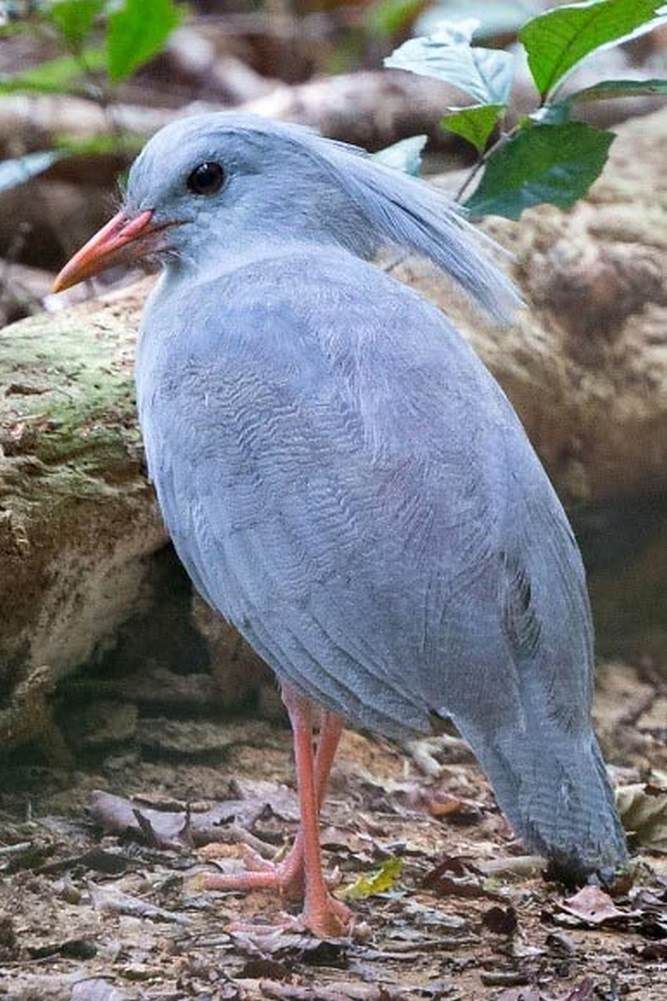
(348, 485)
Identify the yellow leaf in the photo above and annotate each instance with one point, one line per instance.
(378, 881)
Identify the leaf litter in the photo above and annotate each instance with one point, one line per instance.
(97, 900)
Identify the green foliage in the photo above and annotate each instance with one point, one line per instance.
(378, 881)
(74, 19)
(388, 18)
(558, 40)
(100, 145)
(616, 88)
(542, 163)
(20, 170)
(136, 32)
(475, 122)
(65, 75)
(546, 157)
(405, 155)
(485, 74)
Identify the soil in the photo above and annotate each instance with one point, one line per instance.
(99, 899)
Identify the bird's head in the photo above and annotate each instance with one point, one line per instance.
(218, 184)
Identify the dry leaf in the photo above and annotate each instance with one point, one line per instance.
(522, 994)
(96, 989)
(454, 808)
(583, 991)
(595, 907)
(500, 920)
(113, 901)
(457, 876)
(643, 811)
(177, 829)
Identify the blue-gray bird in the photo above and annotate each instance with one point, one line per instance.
(347, 484)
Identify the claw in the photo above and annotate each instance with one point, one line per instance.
(334, 920)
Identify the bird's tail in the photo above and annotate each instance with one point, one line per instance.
(555, 792)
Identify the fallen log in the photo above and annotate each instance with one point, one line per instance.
(373, 108)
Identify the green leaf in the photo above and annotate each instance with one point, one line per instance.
(405, 155)
(617, 88)
(542, 163)
(388, 18)
(475, 122)
(485, 74)
(100, 145)
(137, 32)
(20, 170)
(64, 75)
(12, 28)
(559, 39)
(378, 881)
(74, 18)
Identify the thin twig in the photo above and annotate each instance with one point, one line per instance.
(504, 137)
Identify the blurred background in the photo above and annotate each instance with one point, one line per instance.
(317, 62)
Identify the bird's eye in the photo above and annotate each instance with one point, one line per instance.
(206, 179)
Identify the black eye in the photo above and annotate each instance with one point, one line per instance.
(206, 179)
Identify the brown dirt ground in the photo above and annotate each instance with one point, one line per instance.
(468, 931)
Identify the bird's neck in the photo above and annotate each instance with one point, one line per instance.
(222, 255)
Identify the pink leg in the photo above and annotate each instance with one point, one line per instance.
(321, 914)
(327, 743)
(288, 876)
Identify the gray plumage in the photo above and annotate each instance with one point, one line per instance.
(345, 481)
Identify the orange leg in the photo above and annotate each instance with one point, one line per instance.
(329, 736)
(288, 877)
(322, 914)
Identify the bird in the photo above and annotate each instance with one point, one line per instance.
(345, 481)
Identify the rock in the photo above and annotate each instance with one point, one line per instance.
(198, 739)
(105, 722)
(237, 669)
(77, 516)
(585, 365)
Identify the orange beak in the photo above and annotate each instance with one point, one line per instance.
(108, 247)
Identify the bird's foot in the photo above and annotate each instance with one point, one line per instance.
(326, 918)
(285, 877)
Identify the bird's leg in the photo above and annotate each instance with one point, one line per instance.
(287, 876)
(321, 914)
(292, 868)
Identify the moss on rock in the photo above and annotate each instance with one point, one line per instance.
(77, 515)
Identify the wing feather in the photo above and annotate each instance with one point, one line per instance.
(348, 485)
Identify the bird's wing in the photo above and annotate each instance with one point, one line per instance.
(346, 483)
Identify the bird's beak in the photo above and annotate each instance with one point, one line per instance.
(121, 240)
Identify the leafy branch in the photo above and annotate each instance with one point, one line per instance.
(131, 31)
(546, 156)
